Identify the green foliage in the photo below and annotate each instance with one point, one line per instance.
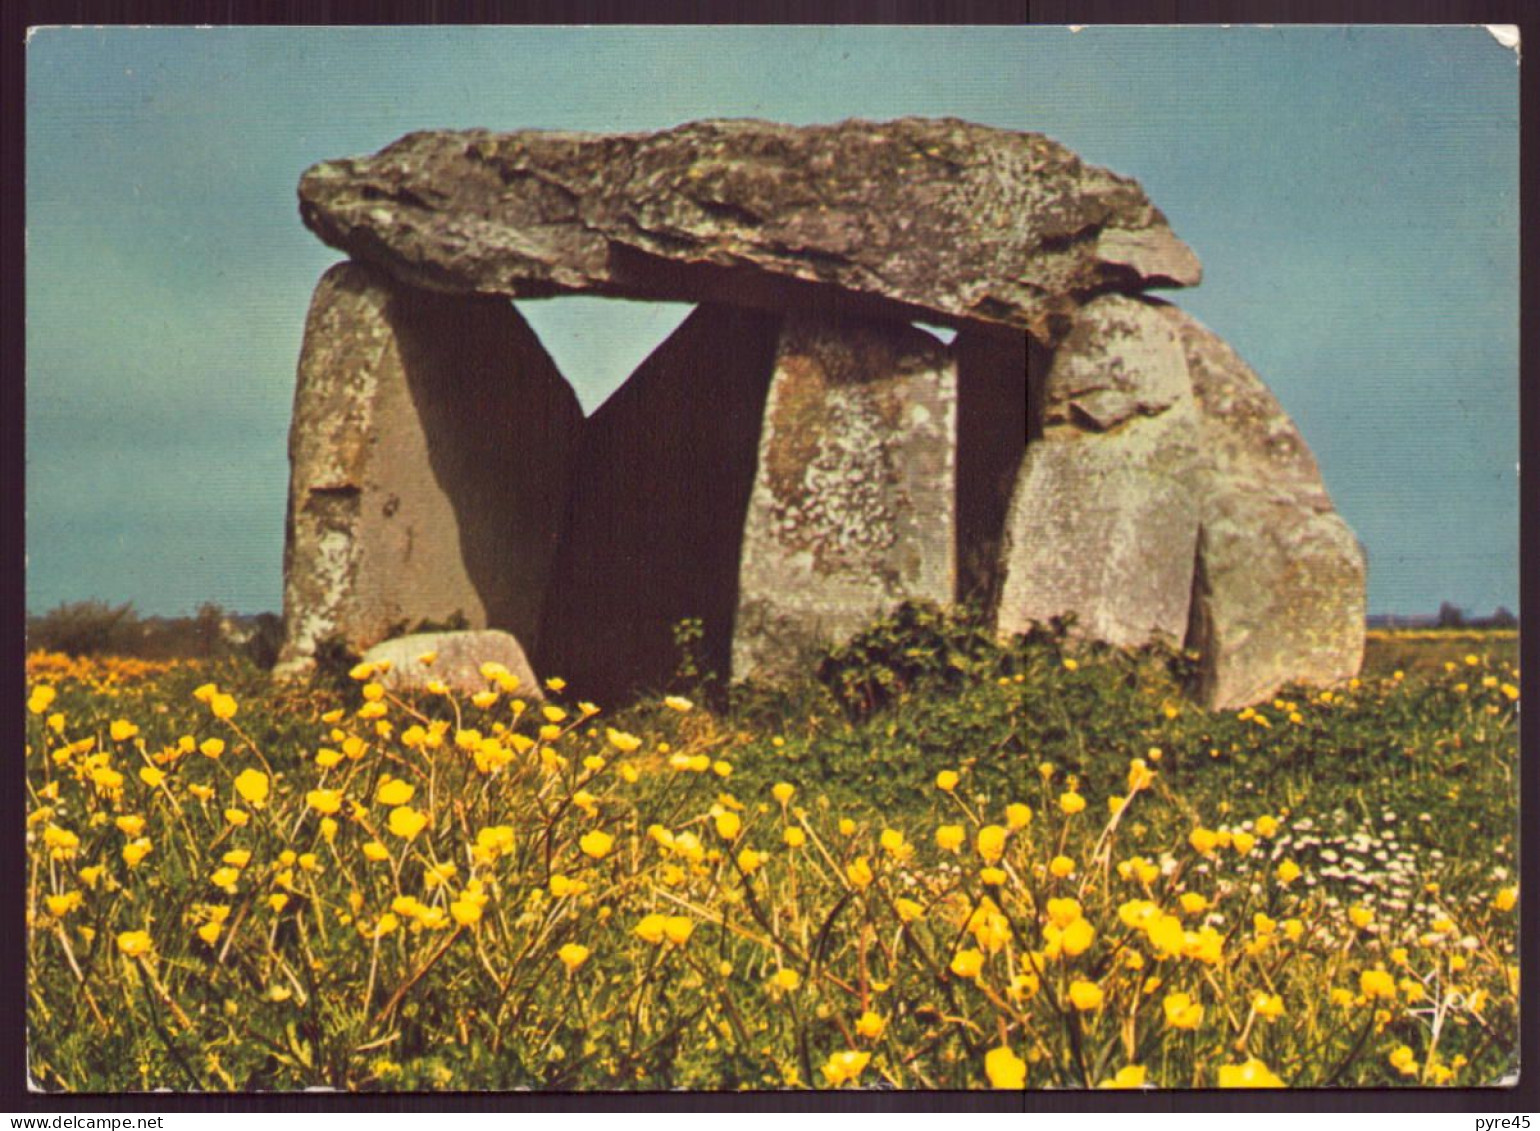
(919, 647)
(1413, 778)
(87, 628)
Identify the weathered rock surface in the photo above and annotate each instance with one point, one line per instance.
(429, 450)
(936, 219)
(853, 508)
(656, 515)
(1280, 593)
(796, 457)
(457, 663)
(1104, 521)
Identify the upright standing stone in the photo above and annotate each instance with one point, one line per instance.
(1280, 595)
(1104, 522)
(656, 514)
(428, 465)
(853, 507)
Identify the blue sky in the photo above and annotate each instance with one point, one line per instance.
(1352, 192)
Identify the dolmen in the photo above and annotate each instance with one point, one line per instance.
(804, 452)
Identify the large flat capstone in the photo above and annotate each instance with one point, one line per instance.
(937, 219)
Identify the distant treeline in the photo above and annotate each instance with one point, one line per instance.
(1448, 616)
(95, 628)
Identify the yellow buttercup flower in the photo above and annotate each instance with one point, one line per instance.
(1268, 1005)
(1140, 776)
(678, 928)
(845, 1067)
(991, 843)
(1085, 996)
(61, 905)
(1071, 802)
(1063, 912)
(573, 955)
(728, 825)
(786, 979)
(967, 963)
(1376, 984)
(782, 791)
(1131, 1076)
(394, 791)
(130, 826)
(625, 743)
(794, 837)
(1018, 816)
(252, 785)
(223, 706)
(894, 844)
(1288, 872)
(1077, 937)
(466, 912)
(135, 943)
(870, 1025)
(1181, 1011)
(859, 872)
(1061, 866)
(1005, 1069)
(406, 822)
(1252, 1074)
(596, 843)
(950, 837)
(991, 929)
(650, 929)
(946, 780)
(122, 730)
(327, 801)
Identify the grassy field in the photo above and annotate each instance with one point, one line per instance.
(937, 863)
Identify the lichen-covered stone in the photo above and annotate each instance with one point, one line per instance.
(428, 450)
(936, 219)
(457, 661)
(656, 514)
(1280, 594)
(1103, 524)
(853, 505)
